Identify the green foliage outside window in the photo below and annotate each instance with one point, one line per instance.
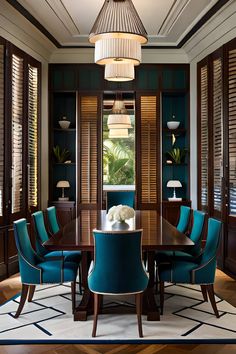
(118, 158)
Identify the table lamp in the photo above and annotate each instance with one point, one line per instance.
(174, 184)
(62, 185)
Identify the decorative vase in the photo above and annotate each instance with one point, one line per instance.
(173, 124)
(64, 123)
(120, 225)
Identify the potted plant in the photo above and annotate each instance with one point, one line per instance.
(60, 155)
(176, 155)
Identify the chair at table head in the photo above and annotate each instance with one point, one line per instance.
(183, 218)
(37, 270)
(52, 220)
(118, 267)
(120, 197)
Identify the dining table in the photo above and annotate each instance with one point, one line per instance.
(157, 235)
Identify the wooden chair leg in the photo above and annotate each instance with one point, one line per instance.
(73, 295)
(95, 315)
(31, 293)
(23, 298)
(204, 292)
(138, 300)
(211, 294)
(80, 280)
(162, 289)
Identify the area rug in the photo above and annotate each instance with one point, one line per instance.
(186, 318)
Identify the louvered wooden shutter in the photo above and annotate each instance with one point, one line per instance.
(1, 127)
(32, 137)
(232, 131)
(204, 137)
(90, 152)
(148, 159)
(217, 134)
(16, 134)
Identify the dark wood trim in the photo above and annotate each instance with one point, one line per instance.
(22, 10)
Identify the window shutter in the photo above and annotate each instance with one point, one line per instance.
(32, 136)
(1, 127)
(232, 131)
(217, 134)
(204, 136)
(16, 134)
(149, 183)
(89, 130)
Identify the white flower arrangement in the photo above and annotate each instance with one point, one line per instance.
(120, 213)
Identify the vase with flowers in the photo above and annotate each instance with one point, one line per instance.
(120, 213)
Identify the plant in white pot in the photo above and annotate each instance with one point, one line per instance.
(64, 122)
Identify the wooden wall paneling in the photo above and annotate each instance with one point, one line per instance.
(89, 165)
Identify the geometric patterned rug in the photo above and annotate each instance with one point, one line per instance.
(48, 319)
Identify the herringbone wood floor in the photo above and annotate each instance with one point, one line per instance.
(225, 287)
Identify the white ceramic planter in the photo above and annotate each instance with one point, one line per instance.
(173, 124)
(64, 124)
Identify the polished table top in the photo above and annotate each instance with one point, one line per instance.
(158, 233)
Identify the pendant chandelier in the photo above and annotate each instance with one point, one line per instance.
(118, 33)
(118, 133)
(119, 117)
(119, 72)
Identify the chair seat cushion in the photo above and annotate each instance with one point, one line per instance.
(58, 271)
(163, 256)
(183, 256)
(69, 256)
(177, 272)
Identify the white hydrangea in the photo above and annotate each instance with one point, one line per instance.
(120, 213)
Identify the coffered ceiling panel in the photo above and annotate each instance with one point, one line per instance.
(70, 21)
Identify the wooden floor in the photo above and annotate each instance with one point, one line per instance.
(225, 287)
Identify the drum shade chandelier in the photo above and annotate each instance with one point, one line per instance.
(118, 33)
(119, 72)
(119, 117)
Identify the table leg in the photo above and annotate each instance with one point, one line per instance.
(150, 307)
(85, 307)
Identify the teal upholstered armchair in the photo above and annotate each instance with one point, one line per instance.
(42, 236)
(120, 197)
(183, 218)
(52, 220)
(37, 270)
(200, 271)
(118, 269)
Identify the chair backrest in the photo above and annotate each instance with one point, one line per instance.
(120, 197)
(41, 232)
(23, 243)
(213, 239)
(118, 267)
(52, 219)
(183, 218)
(196, 232)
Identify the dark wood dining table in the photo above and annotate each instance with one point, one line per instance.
(158, 234)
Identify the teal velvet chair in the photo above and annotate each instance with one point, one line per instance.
(117, 269)
(37, 270)
(199, 271)
(120, 197)
(52, 220)
(42, 236)
(183, 222)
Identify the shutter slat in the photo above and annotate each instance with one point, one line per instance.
(204, 137)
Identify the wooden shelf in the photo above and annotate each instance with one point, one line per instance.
(64, 130)
(175, 164)
(176, 132)
(64, 164)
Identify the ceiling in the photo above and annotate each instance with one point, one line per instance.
(68, 22)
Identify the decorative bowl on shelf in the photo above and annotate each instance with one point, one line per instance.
(64, 123)
(173, 124)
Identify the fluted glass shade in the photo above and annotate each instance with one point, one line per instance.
(63, 184)
(118, 133)
(119, 72)
(174, 184)
(117, 50)
(118, 19)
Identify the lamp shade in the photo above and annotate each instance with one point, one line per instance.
(119, 117)
(174, 184)
(118, 19)
(117, 50)
(119, 72)
(118, 133)
(63, 184)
